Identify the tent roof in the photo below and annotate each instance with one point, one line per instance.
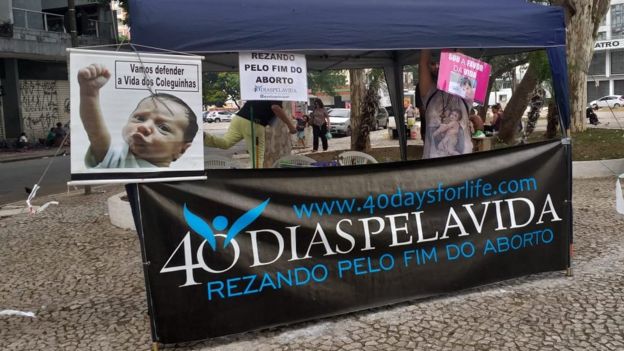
(343, 33)
(338, 34)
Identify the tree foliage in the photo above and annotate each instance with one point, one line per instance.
(218, 87)
(125, 6)
(325, 81)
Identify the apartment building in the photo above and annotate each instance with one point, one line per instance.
(606, 72)
(34, 36)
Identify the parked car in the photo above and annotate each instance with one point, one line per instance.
(381, 119)
(340, 121)
(217, 116)
(613, 101)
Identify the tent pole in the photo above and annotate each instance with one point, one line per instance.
(398, 110)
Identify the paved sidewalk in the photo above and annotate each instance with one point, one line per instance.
(13, 155)
(83, 280)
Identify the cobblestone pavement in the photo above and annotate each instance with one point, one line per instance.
(83, 280)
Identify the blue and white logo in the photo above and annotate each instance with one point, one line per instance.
(194, 259)
(220, 223)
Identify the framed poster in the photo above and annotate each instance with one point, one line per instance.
(135, 116)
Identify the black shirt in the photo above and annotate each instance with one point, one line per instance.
(262, 112)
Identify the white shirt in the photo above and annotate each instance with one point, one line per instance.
(117, 157)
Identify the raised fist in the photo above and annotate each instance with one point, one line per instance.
(92, 78)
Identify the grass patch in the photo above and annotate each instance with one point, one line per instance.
(593, 144)
(598, 144)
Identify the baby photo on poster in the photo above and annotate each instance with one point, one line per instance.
(135, 115)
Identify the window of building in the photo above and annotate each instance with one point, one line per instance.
(597, 66)
(617, 21)
(594, 92)
(617, 62)
(601, 36)
(618, 87)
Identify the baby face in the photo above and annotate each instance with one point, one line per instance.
(468, 91)
(155, 131)
(454, 116)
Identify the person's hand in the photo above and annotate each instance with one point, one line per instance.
(92, 78)
(292, 129)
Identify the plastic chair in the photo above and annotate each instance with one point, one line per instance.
(349, 158)
(294, 161)
(218, 162)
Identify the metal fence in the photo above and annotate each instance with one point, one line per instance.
(56, 23)
(38, 20)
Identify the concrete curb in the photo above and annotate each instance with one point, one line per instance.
(597, 169)
(119, 212)
(30, 157)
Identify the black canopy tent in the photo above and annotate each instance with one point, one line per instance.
(340, 35)
(354, 34)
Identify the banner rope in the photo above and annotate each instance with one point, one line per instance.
(122, 44)
(610, 109)
(33, 191)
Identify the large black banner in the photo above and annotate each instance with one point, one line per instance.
(248, 249)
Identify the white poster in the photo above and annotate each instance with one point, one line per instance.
(135, 114)
(273, 76)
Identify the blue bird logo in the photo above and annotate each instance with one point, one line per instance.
(220, 223)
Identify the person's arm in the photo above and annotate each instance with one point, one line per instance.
(279, 112)
(441, 129)
(425, 80)
(326, 115)
(91, 79)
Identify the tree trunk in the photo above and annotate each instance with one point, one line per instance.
(514, 110)
(500, 66)
(583, 18)
(277, 141)
(552, 119)
(359, 133)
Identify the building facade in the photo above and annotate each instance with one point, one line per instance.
(606, 72)
(34, 36)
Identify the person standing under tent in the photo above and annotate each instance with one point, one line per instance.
(319, 118)
(497, 117)
(262, 113)
(410, 112)
(438, 106)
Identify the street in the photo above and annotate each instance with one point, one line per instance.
(14, 176)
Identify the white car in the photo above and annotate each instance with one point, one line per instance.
(217, 116)
(613, 101)
(340, 121)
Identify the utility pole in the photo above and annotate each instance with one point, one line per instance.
(71, 5)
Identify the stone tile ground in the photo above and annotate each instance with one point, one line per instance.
(83, 280)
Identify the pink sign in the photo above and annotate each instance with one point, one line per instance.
(463, 76)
